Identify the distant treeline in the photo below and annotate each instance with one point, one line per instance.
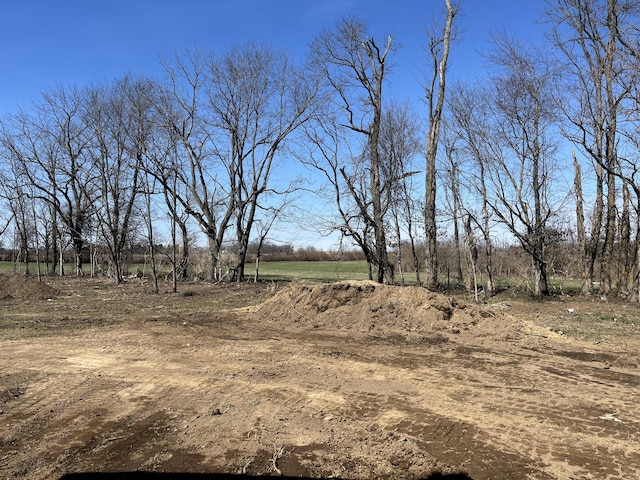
(138, 254)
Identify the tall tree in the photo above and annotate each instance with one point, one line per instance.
(14, 190)
(194, 176)
(232, 117)
(51, 144)
(450, 174)
(586, 32)
(470, 117)
(122, 123)
(581, 236)
(524, 110)
(163, 165)
(71, 187)
(258, 99)
(399, 143)
(354, 66)
(439, 46)
(629, 172)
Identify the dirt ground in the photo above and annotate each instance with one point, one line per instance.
(348, 380)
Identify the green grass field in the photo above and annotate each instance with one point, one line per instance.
(314, 271)
(322, 271)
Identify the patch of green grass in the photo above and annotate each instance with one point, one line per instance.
(569, 286)
(9, 268)
(322, 271)
(327, 271)
(593, 326)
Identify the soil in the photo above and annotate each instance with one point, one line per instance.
(349, 380)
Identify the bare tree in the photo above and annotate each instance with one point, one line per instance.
(470, 117)
(354, 66)
(263, 227)
(194, 175)
(629, 173)
(587, 33)
(163, 165)
(14, 189)
(149, 189)
(323, 151)
(399, 143)
(523, 107)
(450, 174)
(232, 117)
(51, 145)
(439, 45)
(624, 261)
(258, 100)
(625, 24)
(586, 260)
(122, 124)
(71, 179)
(473, 255)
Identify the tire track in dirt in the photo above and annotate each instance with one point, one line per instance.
(511, 394)
(580, 431)
(87, 402)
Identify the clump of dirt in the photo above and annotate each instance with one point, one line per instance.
(20, 287)
(370, 308)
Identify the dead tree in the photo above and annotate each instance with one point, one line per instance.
(354, 67)
(439, 45)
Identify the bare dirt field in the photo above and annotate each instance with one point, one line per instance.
(344, 380)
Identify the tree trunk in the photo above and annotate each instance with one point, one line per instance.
(78, 245)
(456, 210)
(416, 261)
(399, 245)
(54, 241)
(183, 267)
(433, 136)
(542, 285)
(490, 287)
(61, 259)
(586, 266)
(154, 265)
(636, 263)
(431, 260)
(473, 258)
(607, 262)
(610, 145)
(214, 257)
(624, 246)
(174, 255)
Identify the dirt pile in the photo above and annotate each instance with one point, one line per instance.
(19, 287)
(372, 309)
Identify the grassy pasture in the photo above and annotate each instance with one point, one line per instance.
(322, 271)
(319, 271)
(327, 271)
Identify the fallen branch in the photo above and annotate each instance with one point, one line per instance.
(277, 454)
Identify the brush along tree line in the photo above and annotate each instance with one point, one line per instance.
(427, 189)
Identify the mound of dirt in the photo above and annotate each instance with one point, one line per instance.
(371, 308)
(19, 287)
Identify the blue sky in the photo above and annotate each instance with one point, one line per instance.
(71, 42)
